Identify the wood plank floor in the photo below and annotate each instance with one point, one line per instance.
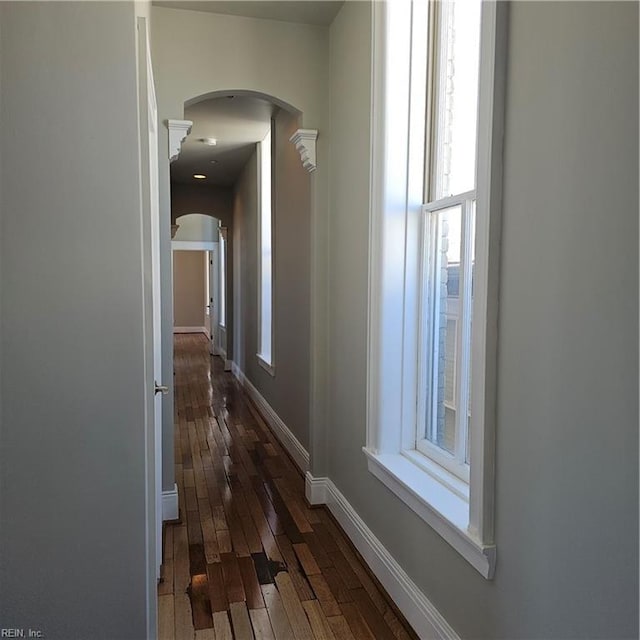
(248, 558)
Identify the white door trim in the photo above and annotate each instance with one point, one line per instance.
(188, 245)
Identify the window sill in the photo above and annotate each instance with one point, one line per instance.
(269, 368)
(439, 505)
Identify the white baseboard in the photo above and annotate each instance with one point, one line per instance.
(191, 330)
(299, 454)
(419, 611)
(315, 489)
(228, 364)
(170, 508)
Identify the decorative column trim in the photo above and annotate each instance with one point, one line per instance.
(305, 141)
(178, 131)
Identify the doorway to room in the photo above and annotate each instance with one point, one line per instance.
(199, 279)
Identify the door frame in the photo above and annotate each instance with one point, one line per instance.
(149, 187)
(195, 245)
(213, 294)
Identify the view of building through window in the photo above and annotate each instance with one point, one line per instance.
(450, 237)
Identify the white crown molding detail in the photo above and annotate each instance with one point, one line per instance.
(419, 611)
(305, 141)
(178, 131)
(284, 435)
(170, 507)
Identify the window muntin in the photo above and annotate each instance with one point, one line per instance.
(265, 259)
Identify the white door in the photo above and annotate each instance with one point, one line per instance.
(212, 256)
(152, 235)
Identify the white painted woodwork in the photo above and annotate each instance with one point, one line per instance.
(419, 611)
(305, 142)
(178, 131)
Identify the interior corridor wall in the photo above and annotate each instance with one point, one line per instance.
(567, 423)
(204, 199)
(288, 390)
(195, 53)
(189, 288)
(72, 450)
(196, 227)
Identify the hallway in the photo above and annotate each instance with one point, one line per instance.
(248, 558)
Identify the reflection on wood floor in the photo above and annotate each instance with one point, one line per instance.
(248, 558)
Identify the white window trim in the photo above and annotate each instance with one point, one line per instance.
(396, 208)
(452, 462)
(269, 367)
(223, 276)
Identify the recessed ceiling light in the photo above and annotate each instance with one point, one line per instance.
(199, 176)
(213, 161)
(212, 142)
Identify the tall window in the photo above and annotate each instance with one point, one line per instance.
(449, 238)
(265, 256)
(434, 241)
(223, 277)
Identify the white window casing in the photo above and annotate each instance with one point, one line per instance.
(265, 255)
(458, 507)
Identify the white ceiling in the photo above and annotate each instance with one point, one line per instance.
(305, 11)
(237, 124)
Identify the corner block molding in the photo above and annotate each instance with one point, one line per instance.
(178, 131)
(305, 141)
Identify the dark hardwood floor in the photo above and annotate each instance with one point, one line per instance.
(248, 558)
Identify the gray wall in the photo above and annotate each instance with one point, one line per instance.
(196, 227)
(205, 199)
(244, 242)
(189, 288)
(73, 444)
(567, 430)
(288, 391)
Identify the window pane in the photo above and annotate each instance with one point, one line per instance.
(265, 250)
(457, 101)
(444, 252)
